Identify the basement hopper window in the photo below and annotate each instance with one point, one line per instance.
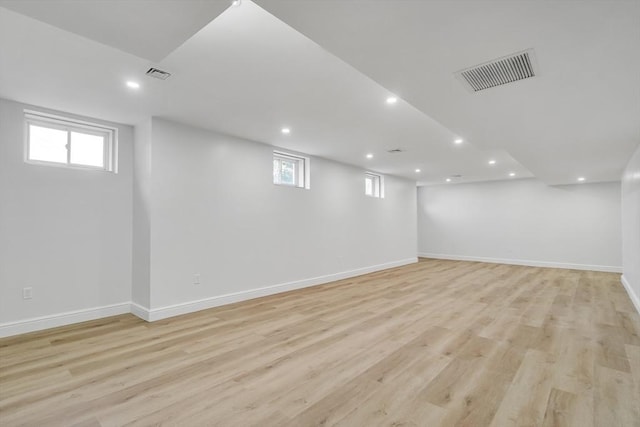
(290, 170)
(374, 185)
(58, 141)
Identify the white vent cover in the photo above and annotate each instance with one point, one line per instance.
(158, 74)
(508, 69)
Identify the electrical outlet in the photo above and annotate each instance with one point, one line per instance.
(196, 279)
(27, 293)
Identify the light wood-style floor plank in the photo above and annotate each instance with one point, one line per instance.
(437, 343)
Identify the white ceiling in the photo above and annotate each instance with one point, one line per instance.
(247, 73)
(579, 117)
(148, 29)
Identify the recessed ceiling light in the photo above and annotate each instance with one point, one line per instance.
(512, 174)
(448, 180)
(133, 85)
(235, 3)
(458, 141)
(392, 100)
(492, 162)
(417, 170)
(369, 156)
(286, 131)
(582, 178)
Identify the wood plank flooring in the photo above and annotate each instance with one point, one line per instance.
(437, 343)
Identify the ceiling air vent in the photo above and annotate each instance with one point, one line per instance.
(501, 71)
(158, 74)
(395, 150)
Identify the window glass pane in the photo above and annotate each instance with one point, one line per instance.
(288, 172)
(87, 150)
(48, 145)
(372, 185)
(368, 186)
(276, 171)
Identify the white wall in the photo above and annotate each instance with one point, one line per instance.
(523, 221)
(64, 232)
(214, 211)
(141, 281)
(631, 228)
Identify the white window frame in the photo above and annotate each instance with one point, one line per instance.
(377, 185)
(302, 178)
(69, 125)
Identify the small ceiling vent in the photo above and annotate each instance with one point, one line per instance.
(158, 74)
(508, 69)
(395, 150)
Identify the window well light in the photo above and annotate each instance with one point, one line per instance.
(133, 85)
(286, 131)
(458, 141)
(492, 162)
(582, 178)
(512, 174)
(392, 100)
(369, 156)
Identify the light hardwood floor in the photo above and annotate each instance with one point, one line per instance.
(437, 343)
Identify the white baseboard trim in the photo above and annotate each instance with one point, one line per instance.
(202, 304)
(68, 318)
(140, 311)
(635, 298)
(62, 319)
(530, 263)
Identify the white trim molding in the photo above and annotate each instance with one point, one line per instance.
(150, 315)
(62, 319)
(530, 263)
(216, 301)
(140, 311)
(635, 299)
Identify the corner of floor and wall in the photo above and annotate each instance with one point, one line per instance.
(181, 227)
(631, 229)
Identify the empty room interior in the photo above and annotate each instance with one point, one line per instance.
(318, 213)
